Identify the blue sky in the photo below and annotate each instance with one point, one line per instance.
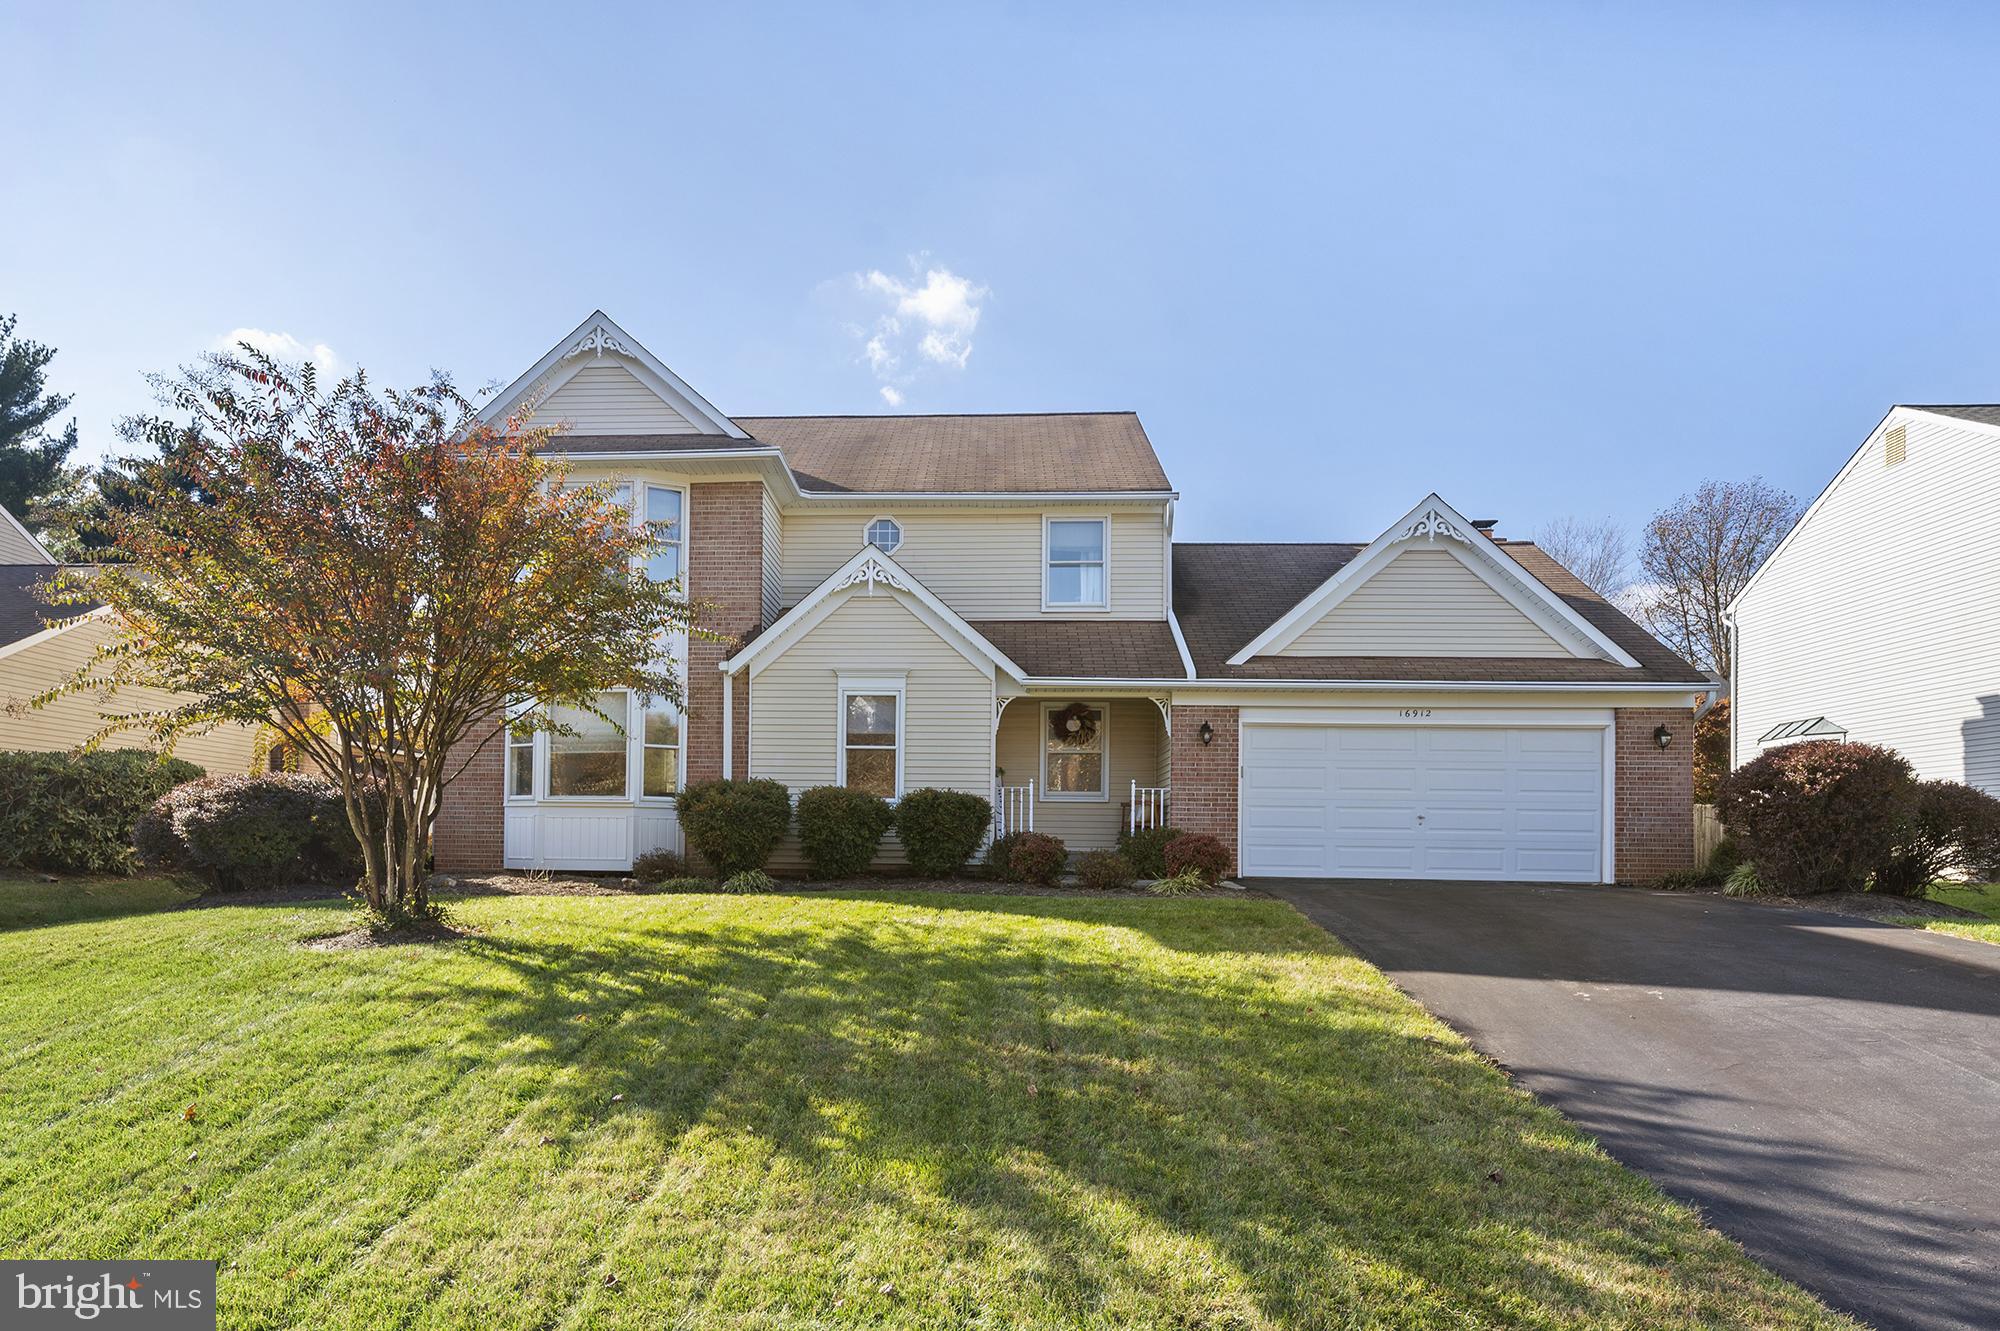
(1548, 260)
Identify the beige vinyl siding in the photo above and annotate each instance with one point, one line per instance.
(606, 399)
(1879, 611)
(70, 721)
(984, 563)
(947, 704)
(774, 560)
(1425, 603)
(1135, 743)
(16, 548)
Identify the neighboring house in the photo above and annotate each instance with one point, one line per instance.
(996, 604)
(35, 656)
(1877, 618)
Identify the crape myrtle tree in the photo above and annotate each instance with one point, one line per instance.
(376, 576)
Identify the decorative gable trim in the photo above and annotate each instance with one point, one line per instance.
(1429, 523)
(596, 339)
(863, 575)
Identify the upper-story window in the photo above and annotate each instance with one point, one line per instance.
(663, 516)
(1074, 574)
(885, 534)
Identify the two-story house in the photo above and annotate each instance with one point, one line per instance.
(996, 604)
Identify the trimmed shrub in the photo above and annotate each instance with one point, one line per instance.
(1186, 883)
(75, 813)
(1147, 849)
(684, 884)
(1818, 816)
(734, 825)
(940, 829)
(1035, 858)
(999, 856)
(1104, 871)
(658, 866)
(1953, 828)
(1197, 852)
(749, 880)
(237, 833)
(840, 829)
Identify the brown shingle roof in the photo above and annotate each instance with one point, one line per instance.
(23, 613)
(1001, 454)
(1087, 649)
(1225, 595)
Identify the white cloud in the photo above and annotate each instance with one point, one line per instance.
(927, 319)
(282, 347)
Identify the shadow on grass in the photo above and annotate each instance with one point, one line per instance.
(1123, 1120)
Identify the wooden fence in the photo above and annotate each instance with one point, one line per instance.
(1707, 833)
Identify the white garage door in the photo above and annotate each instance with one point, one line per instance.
(1331, 801)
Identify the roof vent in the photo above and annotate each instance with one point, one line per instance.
(1894, 442)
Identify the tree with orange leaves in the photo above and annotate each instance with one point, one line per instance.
(378, 577)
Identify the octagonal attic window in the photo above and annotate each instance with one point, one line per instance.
(885, 534)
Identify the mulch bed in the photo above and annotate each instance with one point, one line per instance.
(1863, 905)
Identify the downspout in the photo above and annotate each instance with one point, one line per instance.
(728, 726)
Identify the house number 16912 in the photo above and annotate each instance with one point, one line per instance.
(1415, 711)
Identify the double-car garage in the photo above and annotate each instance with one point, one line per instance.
(1427, 793)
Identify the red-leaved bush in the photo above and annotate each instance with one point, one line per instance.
(1819, 816)
(1036, 858)
(1204, 854)
(1953, 828)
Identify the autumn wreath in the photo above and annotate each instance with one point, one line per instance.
(1075, 724)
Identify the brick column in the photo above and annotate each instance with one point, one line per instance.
(1655, 793)
(725, 568)
(467, 837)
(1203, 777)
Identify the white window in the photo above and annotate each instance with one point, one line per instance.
(885, 534)
(660, 737)
(871, 736)
(590, 763)
(663, 516)
(1073, 751)
(520, 759)
(1074, 575)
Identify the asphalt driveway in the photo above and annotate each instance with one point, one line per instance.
(1825, 1089)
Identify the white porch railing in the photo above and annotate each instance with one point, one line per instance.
(1148, 807)
(1013, 809)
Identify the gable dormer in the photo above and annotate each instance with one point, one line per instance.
(600, 382)
(1433, 585)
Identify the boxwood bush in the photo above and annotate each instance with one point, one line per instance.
(1147, 849)
(1197, 853)
(1818, 816)
(242, 832)
(840, 830)
(734, 825)
(940, 829)
(74, 813)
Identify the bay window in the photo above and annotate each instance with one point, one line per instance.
(662, 516)
(589, 763)
(660, 740)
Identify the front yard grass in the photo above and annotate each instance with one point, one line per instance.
(912, 1110)
(1982, 897)
(26, 899)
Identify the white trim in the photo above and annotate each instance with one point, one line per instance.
(728, 726)
(590, 341)
(1208, 684)
(1432, 521)
(1180, 644)
(869, 526)
(1050, 706)
(29, 536)
(1077, 607)
(871, 568)
(851, 686)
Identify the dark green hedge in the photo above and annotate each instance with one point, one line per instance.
(237, 833)
(74, 813)
(840, 829)
(941, 829)
(734, 825)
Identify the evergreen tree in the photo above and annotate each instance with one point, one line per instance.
(33, 462)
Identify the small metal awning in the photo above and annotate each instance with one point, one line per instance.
(1815, 727)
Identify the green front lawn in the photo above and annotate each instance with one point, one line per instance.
(26, 900)
(1982, 897)
(812, 1111)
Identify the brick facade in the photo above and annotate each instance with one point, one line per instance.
(1655, 793)
(726, 569)
(1203, 777)
(467, 837)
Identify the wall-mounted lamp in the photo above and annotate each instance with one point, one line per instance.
(1663, 737)
(1206, 734)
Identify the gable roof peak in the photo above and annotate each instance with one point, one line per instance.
(595, 339)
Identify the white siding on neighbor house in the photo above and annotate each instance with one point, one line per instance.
(774, 560)
(1425, 602)
(1882, 611)
(606, 399)
(984, 563)
(1135, 745)
(68, 722)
